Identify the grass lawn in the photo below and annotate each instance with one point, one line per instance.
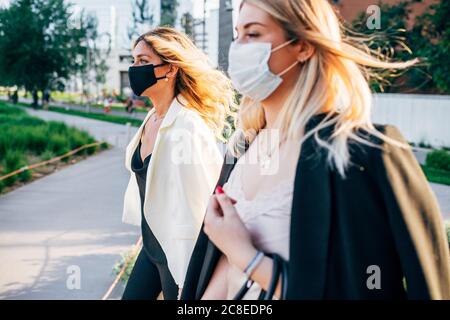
(27, 140)
(436, 175)
(95, 116)
(75, 98)
(119, 107)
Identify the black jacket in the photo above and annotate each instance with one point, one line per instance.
(382, 214)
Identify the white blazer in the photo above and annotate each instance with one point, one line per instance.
(182, 173)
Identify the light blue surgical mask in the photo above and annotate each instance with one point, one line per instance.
(249, 69)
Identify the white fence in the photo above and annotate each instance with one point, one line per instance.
(420, 118)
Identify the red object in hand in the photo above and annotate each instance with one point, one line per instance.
(219, 189)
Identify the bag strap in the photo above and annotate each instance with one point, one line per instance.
(276, 270)
(284, 278)
(280, 268)
(241, 293)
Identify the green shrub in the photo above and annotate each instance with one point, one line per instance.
(5, 144)
(438, 159)
(22, 136)
(47, 155)
(78, 138)
(15, 160)
(37, 139)
(22, 120)
(91, 150)
(129, 258)
(9, 110)
(104, 146)
(56, 127)
(58, 144)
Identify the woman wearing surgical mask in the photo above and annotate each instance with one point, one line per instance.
(310, 178)
(173, 159)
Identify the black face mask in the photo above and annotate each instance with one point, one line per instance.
(143, 77)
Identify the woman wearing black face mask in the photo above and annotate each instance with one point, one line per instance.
(174, 158)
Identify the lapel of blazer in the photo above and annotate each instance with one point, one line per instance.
(310, 222)
(168, 120)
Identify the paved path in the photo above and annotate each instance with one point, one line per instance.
(67, 222)
(443, 194)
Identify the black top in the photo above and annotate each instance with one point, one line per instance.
(382, 214)
(150, 243)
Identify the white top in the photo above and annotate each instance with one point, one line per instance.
(267, 217)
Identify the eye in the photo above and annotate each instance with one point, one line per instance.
(140, 61)
(248, 35)
(252, 35)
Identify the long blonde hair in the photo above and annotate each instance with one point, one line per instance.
(207, 91)
(334, 80)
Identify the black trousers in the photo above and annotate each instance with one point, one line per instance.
(148, 279)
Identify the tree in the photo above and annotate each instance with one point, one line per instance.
(94, 65)
(187, 23)
(431, 39)
(427, 39)
(390, 42)
(40, 45)
(168, 12)
(142, 19)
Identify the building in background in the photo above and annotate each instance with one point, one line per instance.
(115, 18)
(226, 27)
(206, 29)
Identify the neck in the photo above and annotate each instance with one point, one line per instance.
(161, 103)
(274, 103)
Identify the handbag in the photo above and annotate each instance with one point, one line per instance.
(280, 269)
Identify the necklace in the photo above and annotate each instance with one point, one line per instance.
(154, 120)
(265, 160)
(160, 118)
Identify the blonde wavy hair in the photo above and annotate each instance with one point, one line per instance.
(207, 91)
(334, 80)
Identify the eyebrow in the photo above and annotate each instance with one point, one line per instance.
(251, 23)
(142, 55)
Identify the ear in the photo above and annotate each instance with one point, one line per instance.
(304, 51)
(172, 71)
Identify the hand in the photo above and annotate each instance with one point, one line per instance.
(226, 230)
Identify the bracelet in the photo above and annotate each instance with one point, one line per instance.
(253, 263)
